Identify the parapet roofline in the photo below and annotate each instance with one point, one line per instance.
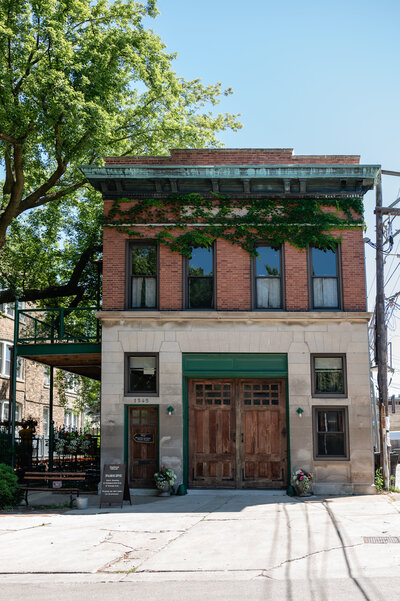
(234, 156)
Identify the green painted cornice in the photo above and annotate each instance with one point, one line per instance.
(239, 181)
(92, 172)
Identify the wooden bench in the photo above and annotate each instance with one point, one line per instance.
(57, 480)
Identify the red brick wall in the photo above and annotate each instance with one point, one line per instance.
(171, 280)
(236, 156)
(114, 251)
(296, 278)
(233, 277)
(353, 270)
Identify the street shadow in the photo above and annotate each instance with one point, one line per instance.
(356, 581)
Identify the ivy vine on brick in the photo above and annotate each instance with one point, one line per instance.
(185, 221)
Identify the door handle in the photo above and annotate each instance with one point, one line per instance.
(234, 437)
(242, 437)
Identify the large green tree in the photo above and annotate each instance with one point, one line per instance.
(80, 79)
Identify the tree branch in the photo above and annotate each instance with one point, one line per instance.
(8, 138)
(72, 288)
(56, 195)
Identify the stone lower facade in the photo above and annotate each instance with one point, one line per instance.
(294, 337)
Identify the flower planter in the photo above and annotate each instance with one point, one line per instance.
(164, 489)
(302, 490)
(301, 481)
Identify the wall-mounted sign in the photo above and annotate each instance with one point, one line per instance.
(114, 485)
(143, 437)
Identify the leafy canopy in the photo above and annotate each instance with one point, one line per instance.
(81, 79)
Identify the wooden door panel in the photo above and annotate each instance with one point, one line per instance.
(143, 445)
(263, 417)
(211, 433)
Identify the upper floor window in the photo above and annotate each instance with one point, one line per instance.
(5, 411)
(267, 273)
(200, 287)
(46, 421)
(46, 375)
(324, 278)
(71, 383)
(143, 276)
(9, 309)
(5, 361)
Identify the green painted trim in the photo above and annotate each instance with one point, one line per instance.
(126, 433)
(235, 365)
(94, 173)
(126, 430)
(185, 431)
(28, 350)
(289, 459)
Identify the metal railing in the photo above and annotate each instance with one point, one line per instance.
(56, 325)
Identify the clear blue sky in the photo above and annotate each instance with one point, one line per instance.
(321, 77)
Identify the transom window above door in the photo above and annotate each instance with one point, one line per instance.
(268, 282)
(143, 276)
(141, 374)
(200, 284)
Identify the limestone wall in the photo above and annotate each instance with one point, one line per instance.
(298, 338)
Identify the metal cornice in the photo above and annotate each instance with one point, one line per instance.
(93, 173)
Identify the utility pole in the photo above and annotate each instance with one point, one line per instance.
(381, 339)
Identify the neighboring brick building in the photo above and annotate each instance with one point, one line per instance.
(32, 394)
(233, 370)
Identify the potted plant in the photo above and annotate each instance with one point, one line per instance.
(164, 479)
(301, 481)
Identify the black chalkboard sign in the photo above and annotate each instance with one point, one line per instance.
(114, 485)
(143, 437)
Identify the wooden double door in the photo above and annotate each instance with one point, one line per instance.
(237, 433)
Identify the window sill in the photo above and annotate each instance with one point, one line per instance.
(177, 315)
(141, 394)
(330, 459)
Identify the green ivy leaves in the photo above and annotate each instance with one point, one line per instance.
(185, 221)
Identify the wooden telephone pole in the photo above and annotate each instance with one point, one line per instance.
(381, 338)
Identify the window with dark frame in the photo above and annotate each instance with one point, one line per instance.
(267, 274)
(200, 285)
(142, 376)
(143, 276)
(328, 375)
(330, 432)
(324, 278)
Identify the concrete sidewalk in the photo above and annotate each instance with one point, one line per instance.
(206, 535)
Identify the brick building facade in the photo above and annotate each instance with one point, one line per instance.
(234, 370)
